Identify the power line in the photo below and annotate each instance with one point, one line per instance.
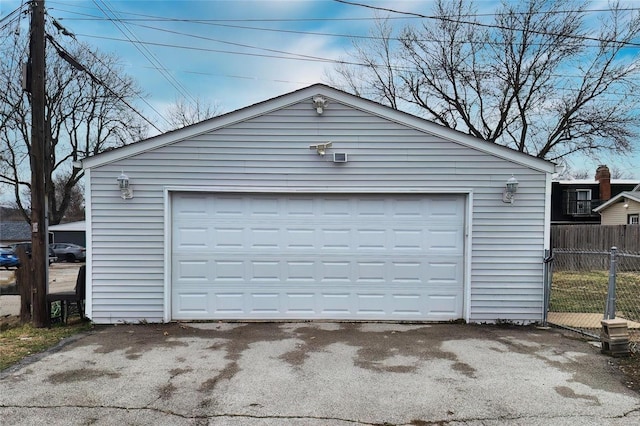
(215, 23)
(231, 43)
(294, 57)
(494, 26)
(320, 34)
(279, 53)
(12, 17)
(146, 52)
(146, 17)
(204, 49)
(97, 58)
(71, 60)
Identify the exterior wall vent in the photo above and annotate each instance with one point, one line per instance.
(339, 157)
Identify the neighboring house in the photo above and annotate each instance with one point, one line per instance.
(316, 205)
(623, 209)
(574, 201)
(71, 232)
(13, 232)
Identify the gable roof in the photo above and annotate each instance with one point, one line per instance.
(15, 231)
(80, 225)
(631, 195)
(334, 96)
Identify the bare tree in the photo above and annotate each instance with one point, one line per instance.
(75, 195)
(535, 79)
(85, 115)
(182, 114)
(616, 173)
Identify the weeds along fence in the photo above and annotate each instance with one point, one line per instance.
(579, 290)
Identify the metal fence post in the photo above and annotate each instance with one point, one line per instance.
(548, 259)
(610, 310)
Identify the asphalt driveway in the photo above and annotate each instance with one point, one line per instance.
(318, 374)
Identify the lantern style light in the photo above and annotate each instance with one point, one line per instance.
(125, 189)
(509, 192)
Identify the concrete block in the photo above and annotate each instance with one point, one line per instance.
(617, 349)
(615, 328)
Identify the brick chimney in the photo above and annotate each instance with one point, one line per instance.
(603, 176)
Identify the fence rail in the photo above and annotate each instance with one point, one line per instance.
(596, 237)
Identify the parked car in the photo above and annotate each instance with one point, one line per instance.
(8, 258)
(27, 248)
(69, 252)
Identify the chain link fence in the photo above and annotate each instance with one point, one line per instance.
(579, 295)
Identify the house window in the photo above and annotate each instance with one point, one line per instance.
(577, 202)
(633, 219)
(583, 201)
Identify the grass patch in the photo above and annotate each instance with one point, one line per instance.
(586, 292)
(19, 341)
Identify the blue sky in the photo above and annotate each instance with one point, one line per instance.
(241, 52)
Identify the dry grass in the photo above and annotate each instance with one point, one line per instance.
(586, 292)
(19, 341)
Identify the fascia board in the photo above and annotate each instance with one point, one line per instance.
(630, 195)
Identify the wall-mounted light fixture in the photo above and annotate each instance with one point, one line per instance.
(321, 148)
(125, 189)
(626, 203)
(319, 104)
(510, 189)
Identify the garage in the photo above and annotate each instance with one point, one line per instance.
(317, 256)
(286, 211)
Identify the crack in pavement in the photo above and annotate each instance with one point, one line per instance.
(192, 417)
(637, 409)
(415, 422)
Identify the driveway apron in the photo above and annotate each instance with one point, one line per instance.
(318, 374)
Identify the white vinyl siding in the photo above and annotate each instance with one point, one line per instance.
(272, 150)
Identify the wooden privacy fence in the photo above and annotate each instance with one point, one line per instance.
(596, 237)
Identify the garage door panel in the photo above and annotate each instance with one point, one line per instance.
(300, 303)
(333, 304)
(264, 238)
(299, 207)
(445, 270)
(316, 256)
(264, 303)
(228, 270)
(441, 240)
(194, 237)
(301, 271)
(193, 270)
(445, 208)
(194, 303)
(299, 238)
(444, 304)
(334, 238)
(409, 209)
(227, 206)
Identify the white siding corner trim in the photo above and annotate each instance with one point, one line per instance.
(171, 191)
(89, 244)
(468, 250)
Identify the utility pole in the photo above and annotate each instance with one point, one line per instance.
(39, 166)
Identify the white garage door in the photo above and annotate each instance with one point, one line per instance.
(311, 256)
